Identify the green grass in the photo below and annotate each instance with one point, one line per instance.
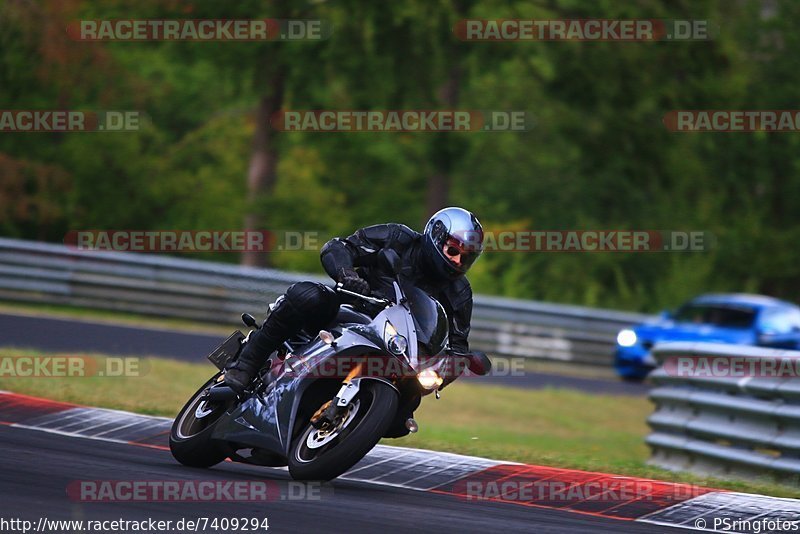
(552, 427)
(161, 389)
(549, 426)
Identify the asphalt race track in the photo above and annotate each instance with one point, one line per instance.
(71, 335)
(37, 467)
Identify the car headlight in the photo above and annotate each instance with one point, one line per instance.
(396, 343)
(626, 338)
(429, 379)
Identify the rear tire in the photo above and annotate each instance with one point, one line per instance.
(376, 404)
(190, 438)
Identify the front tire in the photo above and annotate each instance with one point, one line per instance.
(190, 437)
(315, 455)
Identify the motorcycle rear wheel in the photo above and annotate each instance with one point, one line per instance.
(190, 437)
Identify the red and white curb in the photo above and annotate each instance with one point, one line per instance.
(466, 477)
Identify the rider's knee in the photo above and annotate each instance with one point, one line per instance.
(310, 298)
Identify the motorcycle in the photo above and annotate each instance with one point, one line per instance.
(299, 412)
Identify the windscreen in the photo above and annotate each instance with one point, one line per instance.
(430, 321)
(724, 316)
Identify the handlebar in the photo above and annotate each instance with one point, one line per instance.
(372, 300)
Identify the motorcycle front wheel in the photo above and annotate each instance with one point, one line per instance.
(325, 454)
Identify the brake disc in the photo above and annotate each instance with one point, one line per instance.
(318, 438)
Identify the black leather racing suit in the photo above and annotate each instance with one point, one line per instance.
(360, 250)
(313, 306)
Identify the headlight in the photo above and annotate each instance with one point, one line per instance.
(429, 379)
(396, 343)
(626, 338)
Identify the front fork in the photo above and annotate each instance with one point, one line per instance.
(328, 413)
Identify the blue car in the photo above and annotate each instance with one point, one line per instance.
(735, 318)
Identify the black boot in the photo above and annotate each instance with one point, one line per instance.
(239, 376)
(254, 356)
(281, 324)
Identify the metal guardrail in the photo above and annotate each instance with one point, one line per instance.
(214, 292)
(718, 414)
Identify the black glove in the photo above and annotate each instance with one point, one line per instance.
(476, 361)
(479, 363)
(352, 282)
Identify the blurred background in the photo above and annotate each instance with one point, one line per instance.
(599, 156)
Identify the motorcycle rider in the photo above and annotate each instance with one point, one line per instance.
(434, 261)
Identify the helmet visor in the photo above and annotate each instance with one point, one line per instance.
(461, 254)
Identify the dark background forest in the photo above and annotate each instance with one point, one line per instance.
(598, 156)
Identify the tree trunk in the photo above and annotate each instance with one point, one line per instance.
(446, 146)
(262, 171)
(438, 190)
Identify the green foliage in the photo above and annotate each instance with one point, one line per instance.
(598, 156)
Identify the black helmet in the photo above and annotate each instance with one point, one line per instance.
(453, 241)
